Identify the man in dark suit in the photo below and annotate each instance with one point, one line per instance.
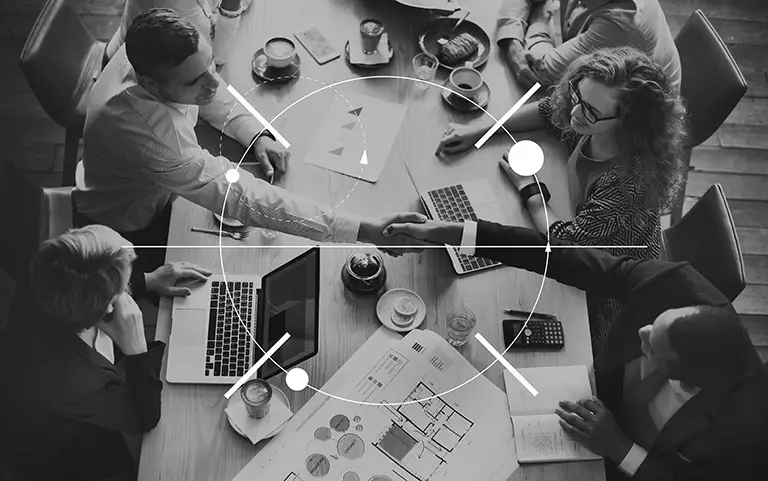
(80, 382)
(684, 395)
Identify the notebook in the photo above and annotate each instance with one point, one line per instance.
(539, 438)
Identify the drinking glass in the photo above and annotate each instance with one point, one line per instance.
(461, 324)
(424, 68)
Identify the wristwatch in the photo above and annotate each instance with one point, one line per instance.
(532, 189)
(228, 14)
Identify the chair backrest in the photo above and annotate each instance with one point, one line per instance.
(706, 237)
(712, 83)
(57, 59)
(55, 212)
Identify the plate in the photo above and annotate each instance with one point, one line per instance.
(439, 5)
(233, 223)
(277, 394)
(385, 308)
(458, 103)
(442, 28)
(369, 65)
(271, 74)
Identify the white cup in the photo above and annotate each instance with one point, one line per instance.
(280, 52)
(466, 81)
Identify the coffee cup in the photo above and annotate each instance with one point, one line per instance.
(280, 52)
(465, 81)
(371, 31)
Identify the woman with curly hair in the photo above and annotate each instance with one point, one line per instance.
(623, 125)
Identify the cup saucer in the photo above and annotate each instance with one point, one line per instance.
(266, 72)
(389, 54)
(481, 98)
(385, 310)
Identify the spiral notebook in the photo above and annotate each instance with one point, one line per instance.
(539, 438)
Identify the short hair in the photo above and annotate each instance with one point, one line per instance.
(653, 117)
(711, 342)
(76, 275)
(159, 39)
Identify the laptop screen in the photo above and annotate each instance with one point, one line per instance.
(289, 303)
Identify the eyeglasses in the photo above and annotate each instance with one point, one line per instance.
(590, 113)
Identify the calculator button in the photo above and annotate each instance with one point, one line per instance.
(527, 332)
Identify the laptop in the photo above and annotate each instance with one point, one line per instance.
(210, 341)
(470, 200)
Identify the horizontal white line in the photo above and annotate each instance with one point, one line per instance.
(256, 366)
(507, 365)
(347, 246)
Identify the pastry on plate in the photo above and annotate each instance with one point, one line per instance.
(458, 48)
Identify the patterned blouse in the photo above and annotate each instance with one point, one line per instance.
(609, 211)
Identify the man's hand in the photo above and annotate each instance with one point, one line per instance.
(515, 54)
(125, 326)
(271, 155)
(163, 280)
(372, 232)
(430, 232)
(519, 181)
(592, 424)
(460, 137)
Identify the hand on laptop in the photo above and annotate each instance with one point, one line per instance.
(166, 279)
(429, 232)
(125, 326)
(372, 232)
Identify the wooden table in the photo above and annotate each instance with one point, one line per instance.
(193, 440)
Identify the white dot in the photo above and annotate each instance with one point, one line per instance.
(297, 379)
(526, 157)
(232, 176)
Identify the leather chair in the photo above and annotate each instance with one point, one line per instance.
(55, 212)
(706, 237)
(712, 84)
(61, 61)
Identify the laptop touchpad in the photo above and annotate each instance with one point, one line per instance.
(190, 327)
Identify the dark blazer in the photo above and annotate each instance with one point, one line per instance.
(716, 436)
(68, 413)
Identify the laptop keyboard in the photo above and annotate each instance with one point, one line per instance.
(453, 205)
(229, 344)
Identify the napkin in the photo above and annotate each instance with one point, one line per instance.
(258, 429)
(357, 56)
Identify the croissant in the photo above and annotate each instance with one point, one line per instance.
(458, 48)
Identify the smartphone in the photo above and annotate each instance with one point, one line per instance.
(536, 334)
(317, 45)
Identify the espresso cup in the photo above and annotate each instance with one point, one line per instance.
(371, 31)
(465, 81)
(280, 52)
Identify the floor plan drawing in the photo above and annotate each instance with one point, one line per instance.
(422, 434)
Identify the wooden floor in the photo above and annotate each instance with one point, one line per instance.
(736, 156)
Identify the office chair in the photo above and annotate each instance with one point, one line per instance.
(712, 85)
(706, 237)
(61, 61)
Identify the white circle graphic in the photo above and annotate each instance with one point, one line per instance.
(526, 158)
(232, 176)
(297, 379)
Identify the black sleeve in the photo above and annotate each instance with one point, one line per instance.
(591, 270)
(137, 283)
(131, 404)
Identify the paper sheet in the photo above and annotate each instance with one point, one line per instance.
(432, 436)
(353, 125)
(540, 438)
(554, 384)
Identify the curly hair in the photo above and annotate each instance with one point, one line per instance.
(652, 116)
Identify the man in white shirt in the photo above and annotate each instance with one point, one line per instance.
(141, 151)
(683, 393)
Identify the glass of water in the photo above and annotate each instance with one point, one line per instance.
(424, 68)
(461, 324)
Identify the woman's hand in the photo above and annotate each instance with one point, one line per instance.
(519, 181)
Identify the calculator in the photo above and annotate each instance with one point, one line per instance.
(537, 334)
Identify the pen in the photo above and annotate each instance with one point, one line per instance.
(532, 314)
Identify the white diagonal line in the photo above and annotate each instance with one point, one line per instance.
(256, 366)
(506, 116)
(504, 363)
(258, 116)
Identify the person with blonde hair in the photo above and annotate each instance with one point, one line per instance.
(85, 382)
(623, 125)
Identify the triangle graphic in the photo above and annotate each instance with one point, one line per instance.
(364, 159)
(356, 111)
(349, 126)
(337, 151)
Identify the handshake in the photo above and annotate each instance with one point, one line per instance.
(397, 234)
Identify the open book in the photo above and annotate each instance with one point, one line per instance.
(539, 438)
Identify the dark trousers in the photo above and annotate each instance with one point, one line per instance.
(155, 234)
